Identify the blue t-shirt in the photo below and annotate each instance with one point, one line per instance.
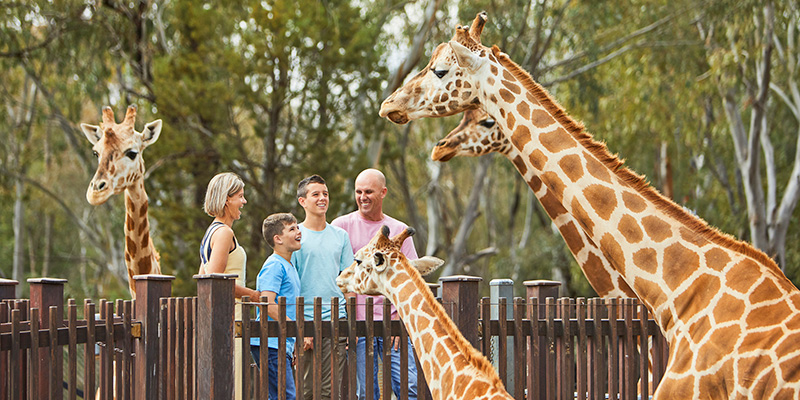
(322, 256)
(279, 276)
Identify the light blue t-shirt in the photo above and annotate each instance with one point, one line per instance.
(279, 276)
(322, 256)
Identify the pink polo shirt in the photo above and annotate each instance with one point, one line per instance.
(361, 231)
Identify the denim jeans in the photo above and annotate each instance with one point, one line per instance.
(272, 365)
(378, 344)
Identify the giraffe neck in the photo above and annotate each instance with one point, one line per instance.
(140, 255)
(673, 261)
(606, 281)
(452, 367)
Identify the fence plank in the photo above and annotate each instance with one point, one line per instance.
(263, 348)
(89, 351)
(245, 364)
(631, 372)
(352, 339)
(163, 347)
(535, 388)
(369, 350)
(502, 342)
(520, 351)
(72, 363)
(191, 348)
(335, 373)
(550, 349)
(613, 376)
(55, 375)
(126, 359)
(386, 356)
(644, 352)
(598, 343)
(16, 359)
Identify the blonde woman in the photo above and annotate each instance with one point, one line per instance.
(220, 252)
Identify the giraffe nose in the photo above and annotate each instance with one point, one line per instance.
(99, 185)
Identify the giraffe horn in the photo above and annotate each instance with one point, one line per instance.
(402, 236)
(130, 114)
(477, 26)
(108, 116)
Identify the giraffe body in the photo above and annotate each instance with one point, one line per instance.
(118, 148)
(731, 317)
(452, 367)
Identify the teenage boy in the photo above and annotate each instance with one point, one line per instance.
(278, 278)
(325, 252)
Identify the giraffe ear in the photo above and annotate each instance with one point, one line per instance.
(92, 132)
(465, 57)
(151, 132)
(427, 264)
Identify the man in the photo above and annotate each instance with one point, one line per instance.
(361, 225)
(278, 278)
(325, 252)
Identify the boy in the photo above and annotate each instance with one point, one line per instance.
(277, 278)
(326, 251)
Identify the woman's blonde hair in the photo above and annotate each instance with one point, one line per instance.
(219, 189)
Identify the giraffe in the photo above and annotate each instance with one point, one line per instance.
(118, 149)
(452, 367)
(730, 315)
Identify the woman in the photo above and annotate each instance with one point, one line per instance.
(220, 252)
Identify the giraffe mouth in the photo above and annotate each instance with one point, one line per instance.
(398, 117)
(443, 151)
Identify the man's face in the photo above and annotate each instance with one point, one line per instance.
(316, 200)
(369, 195)
(290, 236)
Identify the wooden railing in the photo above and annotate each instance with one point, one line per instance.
(163, 347)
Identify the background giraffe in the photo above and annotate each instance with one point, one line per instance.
(730, 315)
(452, 367)
(118, 148)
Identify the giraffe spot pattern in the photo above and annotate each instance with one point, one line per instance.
(765, 291)
(535, 183)
(538, 159)
(601, 279)
(768, 315)
(685, 363)
(633, 202)
(657, 229)
(788, 344)
(557, 140)
(710, 385)
(493, 70)
(716, 259)
(130, 246)
(696, 297)
(476, 389)
(602, 199)
(506, 95)
(582, 216)
(728, 308)
(629, 228)
(613, 252)
(554, 183)
(646, 260)
(679, 263)
(761, 340)
(510, 86)
(653, 292)
(571, 165)
(523, 110)
(551, 204)
(490, 81)
(520, 141)
(743, 276)
(511, 121)
(508, 76)
(751, 368)
(145, 265)
(520, 164)
(596, 168)
(699, 329)
(571, 235)
(541, 118)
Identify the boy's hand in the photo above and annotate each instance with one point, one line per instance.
(308, 343)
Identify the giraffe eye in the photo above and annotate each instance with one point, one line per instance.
(358, 261)
(95, 154)
(487, 123)
(440, 73)
(131, 154)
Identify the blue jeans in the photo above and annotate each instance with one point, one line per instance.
(272, 365)
(361, 355)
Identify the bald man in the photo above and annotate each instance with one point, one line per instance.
(361, 225)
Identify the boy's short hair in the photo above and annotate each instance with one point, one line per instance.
(273, 225)
(302, 187)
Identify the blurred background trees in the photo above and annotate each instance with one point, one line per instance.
(701, 97)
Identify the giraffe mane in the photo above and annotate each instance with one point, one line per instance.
(634, 180)
(473, 356)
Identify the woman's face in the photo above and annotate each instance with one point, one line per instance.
(234, 204)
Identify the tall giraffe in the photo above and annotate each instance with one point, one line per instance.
(452, 367)
(118, 149)
(730, 315)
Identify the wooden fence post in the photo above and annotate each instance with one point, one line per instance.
(149, 291)
(460, 298)
(540, 290)
(8, 289)
(47, 292)
(215, 312)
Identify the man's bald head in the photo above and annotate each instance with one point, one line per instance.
(370, 191)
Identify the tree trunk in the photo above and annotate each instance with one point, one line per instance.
(19, 221)
(432, 206)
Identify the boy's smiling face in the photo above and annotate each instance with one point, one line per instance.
(316, 200)
(290, 237)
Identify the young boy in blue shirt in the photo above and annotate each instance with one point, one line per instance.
(278, 278)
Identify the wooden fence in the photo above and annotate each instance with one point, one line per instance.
(162, 347)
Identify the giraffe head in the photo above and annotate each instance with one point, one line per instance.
(379, 261)
(476, 135)
(442, 87)
(118, 148)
